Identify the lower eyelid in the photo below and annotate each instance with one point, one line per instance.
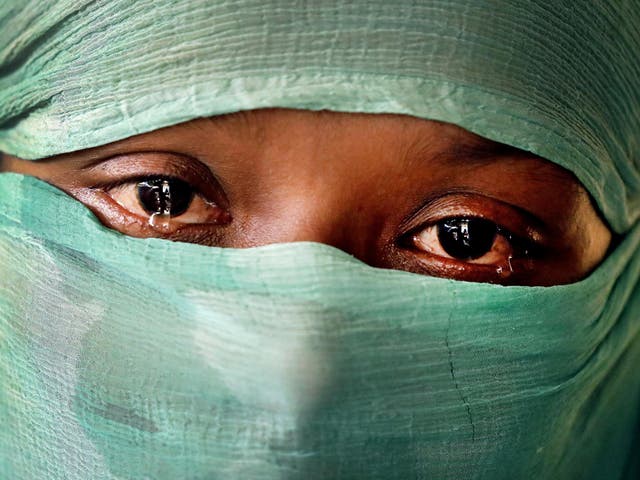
(95, 196)
(111, 213)
(512, 270)
(497, 267)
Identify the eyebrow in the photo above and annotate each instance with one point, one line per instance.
(479, 151)
(469, 151)
(464, 149)
(230, 123)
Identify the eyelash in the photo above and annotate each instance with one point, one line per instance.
(524, 249)
(490, 265)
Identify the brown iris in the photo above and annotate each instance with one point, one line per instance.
(165, 196)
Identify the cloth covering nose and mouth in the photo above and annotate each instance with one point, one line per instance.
(125, 358)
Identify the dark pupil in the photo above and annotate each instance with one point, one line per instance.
(466, 238)
(165, 196)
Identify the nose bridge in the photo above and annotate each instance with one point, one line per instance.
(318, 211)
(314, 216)
(316, 192)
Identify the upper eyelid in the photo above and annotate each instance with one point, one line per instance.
(113, 162)
(430, 211)
(134, 166)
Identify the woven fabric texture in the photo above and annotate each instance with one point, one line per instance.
(124, 358)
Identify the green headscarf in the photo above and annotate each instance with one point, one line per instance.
(123, 358)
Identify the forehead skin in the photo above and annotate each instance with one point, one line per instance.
(350, 179)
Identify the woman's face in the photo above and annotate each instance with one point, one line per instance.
(394, 191)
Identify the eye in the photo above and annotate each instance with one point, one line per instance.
(166, 203)
(472, 240)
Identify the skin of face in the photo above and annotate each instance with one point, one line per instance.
(380, 187)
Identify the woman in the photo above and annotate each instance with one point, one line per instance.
(392, 164)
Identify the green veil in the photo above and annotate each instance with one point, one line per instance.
(123, 358)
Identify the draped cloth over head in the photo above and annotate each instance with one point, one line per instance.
(559, 79)
(295, 361)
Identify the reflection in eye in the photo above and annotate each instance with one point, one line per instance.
(466, 238)
(166, 202)
(472, 240)
(165, 196)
